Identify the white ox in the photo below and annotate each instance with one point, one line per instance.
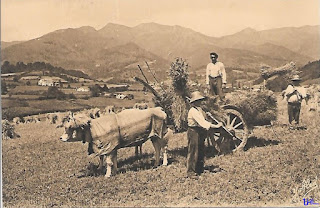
(141, 106)
(17, 120)
(107, 134)
(110, 109)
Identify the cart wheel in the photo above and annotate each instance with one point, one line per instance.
(236, 124)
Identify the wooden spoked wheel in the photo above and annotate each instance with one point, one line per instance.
(236, 125)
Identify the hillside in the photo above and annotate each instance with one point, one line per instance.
(311, 71)
(114, 47)
(124, 59)
(302, 40)
(7, 44)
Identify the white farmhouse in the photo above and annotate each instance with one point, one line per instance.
(83, 89)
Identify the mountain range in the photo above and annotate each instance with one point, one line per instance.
(116, 50)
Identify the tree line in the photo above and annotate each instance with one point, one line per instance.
(20, 66)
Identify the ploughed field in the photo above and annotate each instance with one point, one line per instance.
(278, 167)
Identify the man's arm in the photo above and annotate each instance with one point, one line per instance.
(207, 75)
(223, 74)
(198, 117)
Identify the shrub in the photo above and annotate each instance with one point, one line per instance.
(8, 131)
(54, 93)
(95, 90)
(4, 88)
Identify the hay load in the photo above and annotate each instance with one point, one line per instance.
(257, 108)
(277, 79)
(267, 71)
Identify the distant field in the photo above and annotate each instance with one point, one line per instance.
(26, 97)
(23, 105)
(102, 102)
(23, 89)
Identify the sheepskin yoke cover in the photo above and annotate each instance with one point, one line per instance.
(125, 129)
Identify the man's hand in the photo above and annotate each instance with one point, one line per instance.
(216, 126)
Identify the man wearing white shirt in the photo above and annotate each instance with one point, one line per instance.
(294, 94)
(197, 133)
(216, 77)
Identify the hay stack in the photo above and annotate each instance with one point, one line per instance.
(257, 108)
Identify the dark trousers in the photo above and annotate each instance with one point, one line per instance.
(294, 112)
(216, 86)
(195, 157)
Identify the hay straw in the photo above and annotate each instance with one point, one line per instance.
(257, 108)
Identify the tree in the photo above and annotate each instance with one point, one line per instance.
(95, 90)
(7, 68)
(105, 88)
(54, 93)
(4, 89)
(16, 79)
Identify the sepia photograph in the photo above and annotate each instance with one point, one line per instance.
(146, 103)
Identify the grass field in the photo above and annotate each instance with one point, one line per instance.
(279, 167)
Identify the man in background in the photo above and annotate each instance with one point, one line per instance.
(294, 93)
(216, 77)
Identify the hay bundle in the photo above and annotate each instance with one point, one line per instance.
(278, 78)
(278, 83)
(8, 131)
(176, 107)
(258, 108)
(267, 72)
(174, 98)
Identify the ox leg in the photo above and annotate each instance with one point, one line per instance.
(109, 166)
(165, 156)
(140, 147)
(114, 161)
(136, 151)
(157, 148)
(100, 167)
(111, 160)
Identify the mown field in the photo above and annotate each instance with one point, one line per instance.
(279, 167)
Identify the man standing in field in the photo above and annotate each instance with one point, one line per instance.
(294, 93)
(216, 77)
(196, 134)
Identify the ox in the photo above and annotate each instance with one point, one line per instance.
(107, 134)
(52, 118)
(109, 109)
(17, 120)
(141, 106)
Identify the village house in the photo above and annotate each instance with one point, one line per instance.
(117, 88)
(82, 89)
(51, 81)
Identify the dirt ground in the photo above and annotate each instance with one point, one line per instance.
(279, 167)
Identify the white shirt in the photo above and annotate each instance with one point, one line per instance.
(216, 70)
(295, 94)
(196, 118)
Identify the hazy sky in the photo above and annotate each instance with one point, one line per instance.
(27, 19)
